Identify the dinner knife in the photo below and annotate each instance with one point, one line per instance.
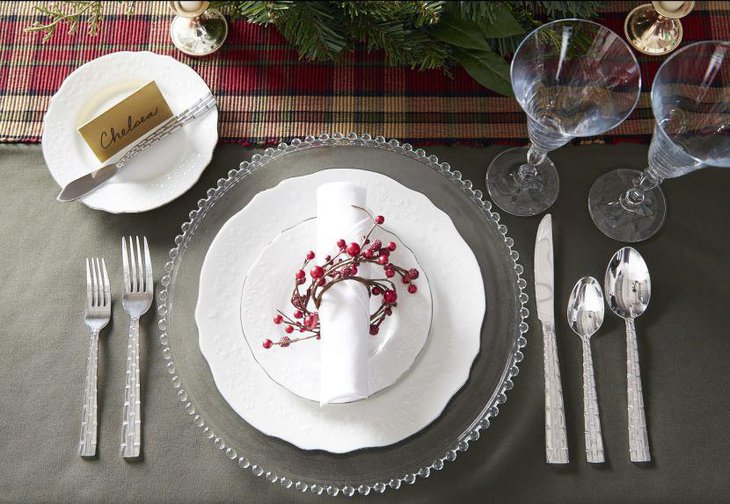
(91, 181)
(556, 438)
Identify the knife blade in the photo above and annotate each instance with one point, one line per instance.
(87, 183)
(556, 439)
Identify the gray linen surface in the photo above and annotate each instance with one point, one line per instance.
(684, 346)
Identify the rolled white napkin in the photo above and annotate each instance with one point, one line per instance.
(344, 313)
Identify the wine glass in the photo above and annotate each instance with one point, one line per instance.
(573, 78)
(690, 99)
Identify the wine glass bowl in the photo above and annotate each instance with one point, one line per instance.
(691, 105)
(573, 78)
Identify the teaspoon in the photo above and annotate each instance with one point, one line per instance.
(628, 289)
(585, 317)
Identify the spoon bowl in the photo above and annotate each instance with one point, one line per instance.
(627, 284)
(585, 307)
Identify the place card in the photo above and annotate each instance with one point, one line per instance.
(125, 122)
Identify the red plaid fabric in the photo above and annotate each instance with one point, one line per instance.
(266, 94)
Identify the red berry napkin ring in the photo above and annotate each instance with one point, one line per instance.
(342, 267)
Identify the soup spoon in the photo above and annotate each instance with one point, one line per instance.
(628, 289)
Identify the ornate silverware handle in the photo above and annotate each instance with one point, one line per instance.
(556, 438)
(132, 422)
(87, 441)
(592, 419)
(638, 435)
(198, 109)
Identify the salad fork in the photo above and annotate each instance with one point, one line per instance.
(137, 298)
(98, 313)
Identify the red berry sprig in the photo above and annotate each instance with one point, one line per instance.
(340, 267)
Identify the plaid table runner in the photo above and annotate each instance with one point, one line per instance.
(266, 94)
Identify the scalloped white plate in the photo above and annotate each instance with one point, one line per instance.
(156, 176)
(397, 412)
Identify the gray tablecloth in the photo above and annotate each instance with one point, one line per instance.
(684, 343)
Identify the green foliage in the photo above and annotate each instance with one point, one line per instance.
(477, 35)
(312, 28)
(487, 68)
(70, 14)
(255, 12)
(502, 23)
(325, 31)
(461, 33)
(557, 10)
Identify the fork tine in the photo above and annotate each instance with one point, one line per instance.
(99, 283)
(94, 285)
(88, 284)
(107, 286)
(99, 286)
(125, 266)
(140, 268)
(147, 267)
(133, 261)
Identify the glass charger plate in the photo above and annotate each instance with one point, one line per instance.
(470, 410)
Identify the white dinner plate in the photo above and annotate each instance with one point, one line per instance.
(268, 288)
(156, 176)
(395, 413)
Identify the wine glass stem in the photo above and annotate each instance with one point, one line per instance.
(634, 197)
(527, 172)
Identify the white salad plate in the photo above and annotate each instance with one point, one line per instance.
(395, 413)
(156, 176)
(268, 287)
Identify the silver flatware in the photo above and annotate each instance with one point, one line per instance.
(585, 317)
(137, 298)
(628, 289)
(91, 181)
(556, 439)
(98, 313)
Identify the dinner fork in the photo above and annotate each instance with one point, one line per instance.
(137, 298)
(98, 313)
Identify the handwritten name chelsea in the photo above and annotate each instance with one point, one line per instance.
(108, 138)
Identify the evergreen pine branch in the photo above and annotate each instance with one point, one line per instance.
(410, 33)
(255, 12)
(427, 13)
(72, 14)
(386, 35)
(391, 27)
(310, 28)
(380, 10)
(555, 10)
(427, 53)
(477, 10)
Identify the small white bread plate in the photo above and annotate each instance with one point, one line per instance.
(156, 176)
(397, 412)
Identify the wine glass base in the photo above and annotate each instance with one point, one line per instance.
(517, 197)
(618, 222)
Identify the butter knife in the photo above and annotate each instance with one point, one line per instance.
(91, 181)
(556, 438)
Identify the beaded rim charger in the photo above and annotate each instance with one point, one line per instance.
(460, 444)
